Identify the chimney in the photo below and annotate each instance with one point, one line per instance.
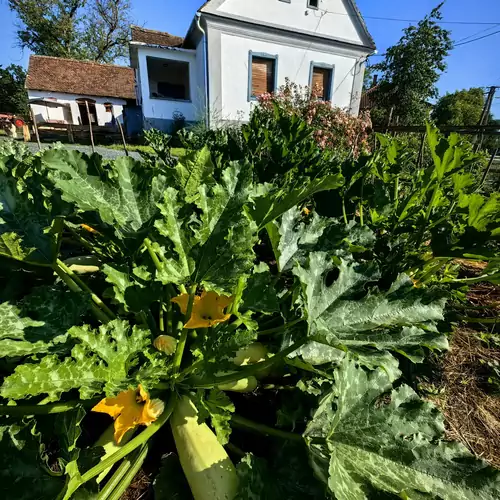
(375, 81)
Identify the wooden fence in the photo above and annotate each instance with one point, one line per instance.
(63, 132)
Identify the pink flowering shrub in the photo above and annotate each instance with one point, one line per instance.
(333, 127)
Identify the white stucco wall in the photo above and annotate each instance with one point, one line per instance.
(339, 21)
(163, 109)
(229, 47)
(44, 113)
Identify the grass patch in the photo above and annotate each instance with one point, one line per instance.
(144, 149)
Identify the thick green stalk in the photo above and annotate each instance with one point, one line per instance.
(98, 313)
(281, 328)
(61, 265)
(136, 464)
(344, 212)
(152, 253)
(116, 478)
(396, 193)
(486, 321)
(237, 295)
(248, 370)
(244, 423)
(139, 440)
(21, 410)
(179, 352)
(161, 318)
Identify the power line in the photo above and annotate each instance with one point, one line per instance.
(476, 39)
(376, 18)
(477, 33)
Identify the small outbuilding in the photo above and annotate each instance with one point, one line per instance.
(68, 91)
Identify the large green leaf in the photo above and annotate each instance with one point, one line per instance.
(193, 170)
(394, 443)
(27, 231)
(125, 196)
(400, 319)
(23, 474)
(133, 290)
(38, 324)
(275, 202)
(101, 361)
(215, 248)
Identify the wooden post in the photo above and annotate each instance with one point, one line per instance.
(124, 142)
(488, 169)
(71, 138)
(390, 119)
(90, 127)
(421, 151)
(36, 128)
(26, 133)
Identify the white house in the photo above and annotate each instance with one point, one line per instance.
(236, 50)
(75, 92)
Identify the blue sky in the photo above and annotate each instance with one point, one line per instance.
(472, 65)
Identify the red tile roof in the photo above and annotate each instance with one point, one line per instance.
(153, 37)
(70, 76)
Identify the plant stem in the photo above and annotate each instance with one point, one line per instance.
(137, 441)
(84, 287)
(80, 240)
(179, 352)
(248, 370)
(344, 212)
(98, 313)
(237, 295)
(115, 479)
(396, 193)
(19, 411)
(152, 253)
(486, 321)
(281, 328)
(161, 317)
(135, 465)
(244, 423)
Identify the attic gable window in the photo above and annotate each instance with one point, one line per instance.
(263, 74)
(313, 4)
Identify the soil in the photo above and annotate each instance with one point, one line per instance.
(469, 385)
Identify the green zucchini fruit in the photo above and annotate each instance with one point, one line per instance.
(209, 471)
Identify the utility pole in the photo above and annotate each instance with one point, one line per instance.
(486, 114)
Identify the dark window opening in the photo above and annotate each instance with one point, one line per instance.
(87, 115)
(313, 4)
(263, 75)
(168, 79)
(321, 84)
(108, 107)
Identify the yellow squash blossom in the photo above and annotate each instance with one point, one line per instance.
(90, 229)
(208, 310)
(130, 409)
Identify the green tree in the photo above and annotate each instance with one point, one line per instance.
(13, 96)
(81, 29)
(411, 69)
(463, 107)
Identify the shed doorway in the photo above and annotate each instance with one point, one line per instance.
(84, 115)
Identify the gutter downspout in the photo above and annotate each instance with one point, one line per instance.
(205, 67)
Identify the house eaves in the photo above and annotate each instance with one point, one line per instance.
(208, 8)
(158, 46)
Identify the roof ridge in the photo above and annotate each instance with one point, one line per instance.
(82, 61)
(134, 26)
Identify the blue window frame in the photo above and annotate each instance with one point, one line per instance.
(328, 85)
(255, 57)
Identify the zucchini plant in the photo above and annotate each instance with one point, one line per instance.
(140, 294)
